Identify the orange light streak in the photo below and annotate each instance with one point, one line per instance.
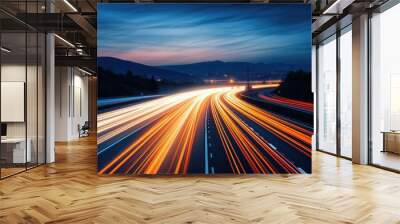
(171, 125)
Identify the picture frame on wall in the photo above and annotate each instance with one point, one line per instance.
(204, 89)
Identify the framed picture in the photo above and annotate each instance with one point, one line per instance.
(204, 89)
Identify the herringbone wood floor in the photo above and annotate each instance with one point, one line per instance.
(70, 191)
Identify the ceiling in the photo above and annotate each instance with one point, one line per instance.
(75, 21)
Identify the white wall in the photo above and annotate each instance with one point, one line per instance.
(33, 126)
(16, 73)
(71, 102)
(9, 73)
(61, 103)
(80, 111)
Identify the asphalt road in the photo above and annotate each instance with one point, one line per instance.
(209, 131)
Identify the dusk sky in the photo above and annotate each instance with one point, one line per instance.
(166, 34)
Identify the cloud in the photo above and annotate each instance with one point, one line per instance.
(157, 34)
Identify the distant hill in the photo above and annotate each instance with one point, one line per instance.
(238, 70)
(297, 85)
(119, 66)
(111, 84)
(197, 72)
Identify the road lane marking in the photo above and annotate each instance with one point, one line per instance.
(123, 138)
(272, 146)
(301, 170)
(205, 145)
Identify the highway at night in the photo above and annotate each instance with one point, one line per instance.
(203, 131)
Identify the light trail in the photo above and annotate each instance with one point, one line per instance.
(170, 138)
(289, 102)
(247, 141)
(298, 137)
(173, 125)
(266, 85)
(113, 123)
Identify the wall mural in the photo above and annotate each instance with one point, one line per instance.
(204, 89)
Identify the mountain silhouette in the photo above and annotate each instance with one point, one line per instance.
(237, 70)
(119, 66)
(199, 71)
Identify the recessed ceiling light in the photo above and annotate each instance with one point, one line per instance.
(70, 5)
(64, 40)
(84, 71)
(5, 50)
